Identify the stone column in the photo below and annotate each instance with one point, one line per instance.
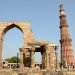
(56, 54)
(43, 60)
(21, 58)
(32, 58)
(1, 43)
(47, 57)
(47, 60)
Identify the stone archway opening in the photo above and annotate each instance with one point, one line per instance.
(38, 59)
(8, 28)
(11, 45)
(13, 39)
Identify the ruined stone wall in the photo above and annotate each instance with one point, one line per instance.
(23, 26)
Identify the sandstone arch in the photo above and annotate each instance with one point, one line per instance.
(30, 46)
(23, 26)
(8, 28)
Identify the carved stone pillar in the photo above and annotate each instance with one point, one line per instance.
(47, 60)
(32, 58)
(21, 58)
(57, 61)
(43, 60)
(47, 57)
(27, 59)
(1, 43)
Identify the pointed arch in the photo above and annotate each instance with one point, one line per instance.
(8, 28)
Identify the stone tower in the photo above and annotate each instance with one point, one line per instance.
(67, 57)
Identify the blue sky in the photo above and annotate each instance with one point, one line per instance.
(43, 16)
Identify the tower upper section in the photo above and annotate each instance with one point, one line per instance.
(63, 21)
(62, 12)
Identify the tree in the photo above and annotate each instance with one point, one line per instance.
(13, 60)
(8, 59)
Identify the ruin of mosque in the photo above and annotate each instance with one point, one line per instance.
(49, 52)
(31, 46)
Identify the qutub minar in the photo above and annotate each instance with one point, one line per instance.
(67, 57)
